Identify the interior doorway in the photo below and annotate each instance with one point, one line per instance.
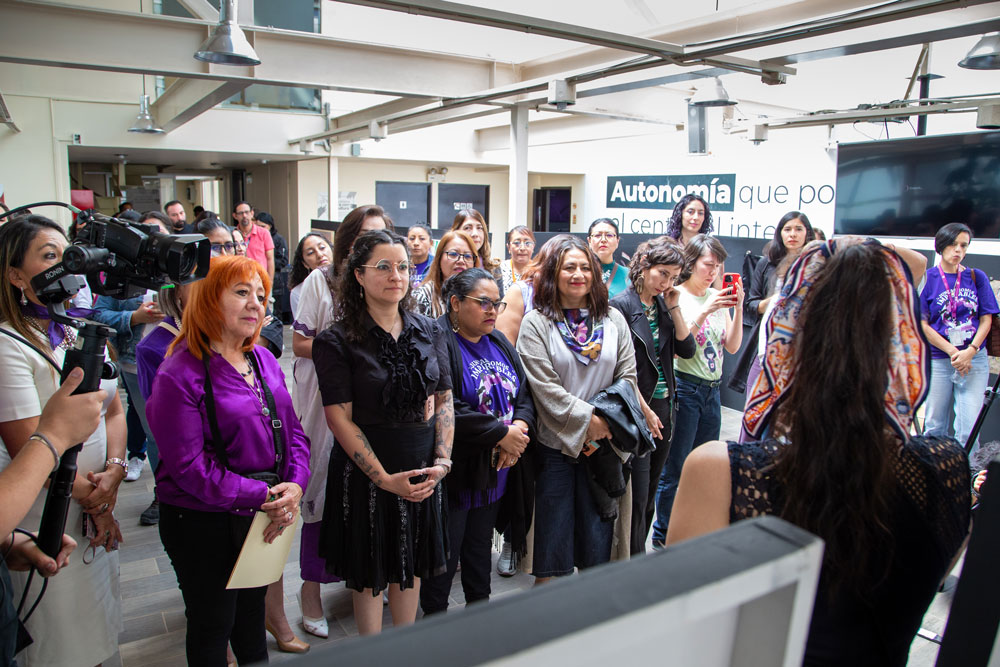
(552, 209)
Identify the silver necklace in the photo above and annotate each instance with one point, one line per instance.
(256, 389)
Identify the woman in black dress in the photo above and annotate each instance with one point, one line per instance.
(384, 377)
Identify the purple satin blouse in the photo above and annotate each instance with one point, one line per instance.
(189, 474)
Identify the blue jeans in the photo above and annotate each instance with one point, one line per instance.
(699, 420)
(966, 399)
(568, 529)
(140, 441)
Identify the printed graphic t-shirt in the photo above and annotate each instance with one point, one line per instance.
(488, 384)
(710, 339)
(973, 299)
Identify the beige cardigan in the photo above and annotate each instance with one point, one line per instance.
(562, 419)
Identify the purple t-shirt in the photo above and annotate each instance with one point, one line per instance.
(489, 384)
(962, 311)
(189, 474)
(419, 271)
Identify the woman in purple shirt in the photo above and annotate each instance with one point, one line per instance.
(957, 306)
(494, 414)
(216, 403)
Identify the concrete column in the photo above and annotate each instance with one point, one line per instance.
(517, 206)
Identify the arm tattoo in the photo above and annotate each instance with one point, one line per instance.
(444, 425)
(364, 441)
(365, 467)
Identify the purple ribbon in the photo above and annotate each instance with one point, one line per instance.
(56, 331)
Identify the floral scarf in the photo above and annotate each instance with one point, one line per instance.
(909, 358)
(581, 334)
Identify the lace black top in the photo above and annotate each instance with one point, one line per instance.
(929, 520)
(388, 381)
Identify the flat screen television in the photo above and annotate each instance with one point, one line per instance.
(911, 187)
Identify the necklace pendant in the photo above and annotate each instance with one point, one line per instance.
(265, 412)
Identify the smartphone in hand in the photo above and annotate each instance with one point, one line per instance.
(731, 279)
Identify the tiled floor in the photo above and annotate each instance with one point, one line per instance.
(153, 633)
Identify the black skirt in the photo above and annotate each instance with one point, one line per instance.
(371, 537)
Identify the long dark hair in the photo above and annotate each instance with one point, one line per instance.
(836, 468)
(674, 226)
(16, 237)
(349, 229)
(351, 303)
(299, 270)
(546, 279)
(776, 250)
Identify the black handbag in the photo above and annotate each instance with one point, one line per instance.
(271, 477)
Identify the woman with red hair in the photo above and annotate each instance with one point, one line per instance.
(231, 446)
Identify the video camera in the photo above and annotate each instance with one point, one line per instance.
(119, 258)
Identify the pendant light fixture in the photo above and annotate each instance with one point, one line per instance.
(228, 45)
(985, 54)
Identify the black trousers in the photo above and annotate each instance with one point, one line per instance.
(203, 548)
(470, 534)
(644, 489)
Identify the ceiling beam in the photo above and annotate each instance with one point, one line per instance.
(454, 11)
(48, 34)
(186, 99)
(201, 9)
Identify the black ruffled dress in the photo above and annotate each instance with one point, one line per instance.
(371, 537)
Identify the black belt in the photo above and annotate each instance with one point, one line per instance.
(694, 379)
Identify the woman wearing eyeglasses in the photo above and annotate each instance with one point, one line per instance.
(386, 387)
(315, 313)
(603, 237)
(456, 253)
(219, 234)
(494, 414)
(520, 245)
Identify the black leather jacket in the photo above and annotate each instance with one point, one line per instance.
(642, 339)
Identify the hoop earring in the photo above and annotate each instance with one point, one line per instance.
(454, 323)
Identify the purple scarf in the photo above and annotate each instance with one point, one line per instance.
(56, 331)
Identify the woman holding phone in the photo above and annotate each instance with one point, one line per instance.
(699, 404)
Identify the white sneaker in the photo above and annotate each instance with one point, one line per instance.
(135, 466)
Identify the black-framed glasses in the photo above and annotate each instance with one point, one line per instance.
(454, 255)
(604, 235)
(386, 267)
(486, 304)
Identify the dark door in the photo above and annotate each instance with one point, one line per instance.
(406, 203)
(453, 197)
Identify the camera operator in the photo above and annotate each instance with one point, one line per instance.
(65, 421)
(86, 589)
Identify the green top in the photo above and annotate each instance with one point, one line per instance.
(617, 284)
(661, 390)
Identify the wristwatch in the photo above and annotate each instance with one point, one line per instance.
(118, 462)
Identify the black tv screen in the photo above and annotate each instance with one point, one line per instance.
(911, 187)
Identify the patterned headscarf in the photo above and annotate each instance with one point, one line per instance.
(909, 360)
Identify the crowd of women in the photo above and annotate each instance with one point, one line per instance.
(440, 394)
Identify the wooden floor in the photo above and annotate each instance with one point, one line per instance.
(153, 612)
